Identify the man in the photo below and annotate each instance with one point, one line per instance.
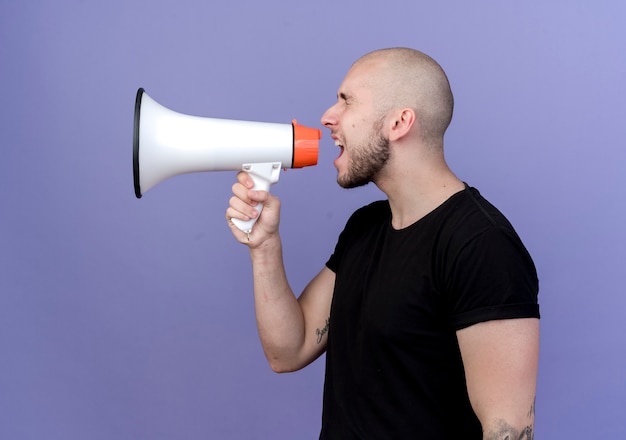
(427, 309)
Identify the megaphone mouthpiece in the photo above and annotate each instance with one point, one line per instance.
(305, 145)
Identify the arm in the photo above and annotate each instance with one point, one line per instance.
(293, 331)
(501, 360)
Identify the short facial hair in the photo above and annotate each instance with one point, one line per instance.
(366, 161)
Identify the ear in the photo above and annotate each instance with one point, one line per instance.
(402, 123)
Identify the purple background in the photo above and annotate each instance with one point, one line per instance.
(133, 319)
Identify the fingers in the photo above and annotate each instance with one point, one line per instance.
(246, 203)
(245, 179)
(242, 208)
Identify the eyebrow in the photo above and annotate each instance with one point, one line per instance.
(343, 96)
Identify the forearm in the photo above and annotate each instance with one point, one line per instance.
(279, 316)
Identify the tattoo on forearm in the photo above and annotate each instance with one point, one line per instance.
(531, 411)
(321, 332)
(504, 431)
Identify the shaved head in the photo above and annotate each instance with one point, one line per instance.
(407, 78)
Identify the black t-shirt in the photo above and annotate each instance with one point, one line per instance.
(393, 365)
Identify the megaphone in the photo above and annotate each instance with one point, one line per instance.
(167, 143)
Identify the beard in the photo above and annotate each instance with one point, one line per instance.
(366, 161)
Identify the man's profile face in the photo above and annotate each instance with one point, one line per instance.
(356, 126)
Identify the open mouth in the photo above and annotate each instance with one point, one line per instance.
(340, 145)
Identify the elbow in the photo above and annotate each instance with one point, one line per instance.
(281, 367)
(289, 361)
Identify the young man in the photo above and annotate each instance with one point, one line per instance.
(427, 309)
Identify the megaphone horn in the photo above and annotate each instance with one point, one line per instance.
(167, 143)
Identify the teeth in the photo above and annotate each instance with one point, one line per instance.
(338, 144)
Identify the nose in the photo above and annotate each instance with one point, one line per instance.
(329, 118)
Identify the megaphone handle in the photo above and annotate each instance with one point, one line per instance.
(263, 175)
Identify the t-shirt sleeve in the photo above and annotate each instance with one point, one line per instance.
(492, 277)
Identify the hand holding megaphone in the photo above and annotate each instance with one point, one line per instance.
(167, 143)
(263, 175)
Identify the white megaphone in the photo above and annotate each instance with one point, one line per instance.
(167, 143)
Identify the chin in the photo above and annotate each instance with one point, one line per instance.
(349, 183)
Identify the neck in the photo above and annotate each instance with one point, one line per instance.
(415, 191)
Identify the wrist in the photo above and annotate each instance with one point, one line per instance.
(270, 246)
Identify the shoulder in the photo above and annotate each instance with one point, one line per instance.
(468, 215)
(472, 231)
